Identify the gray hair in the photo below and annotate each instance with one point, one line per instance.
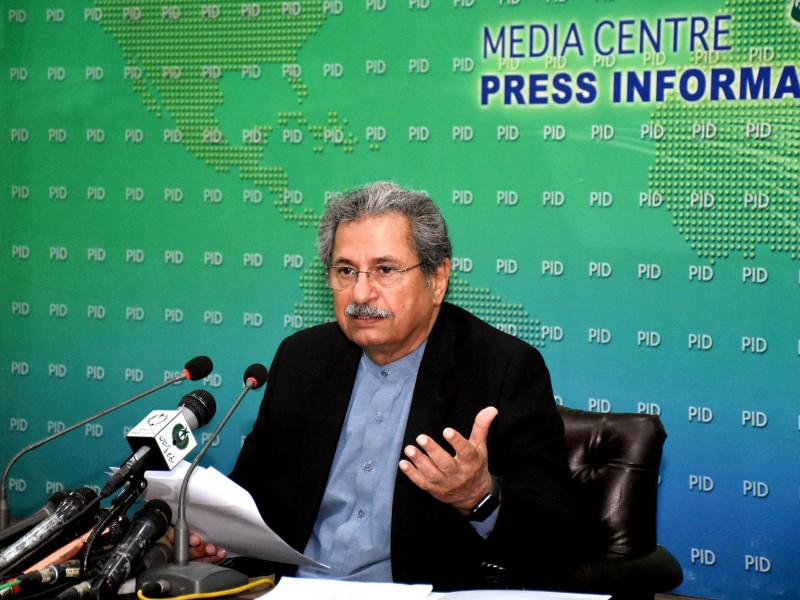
(429, 237)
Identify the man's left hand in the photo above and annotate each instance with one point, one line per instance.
(461, 480)
(200, 550)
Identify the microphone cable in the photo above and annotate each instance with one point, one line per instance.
(153, 587)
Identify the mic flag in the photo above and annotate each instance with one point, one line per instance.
(163, 438)
(168, 433)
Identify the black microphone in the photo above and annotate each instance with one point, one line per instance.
(109, 520)
(149, 523)
(70, 507)
(75, 592)
(197, 368)
(15, 531)
(199, 578)
(52, 574)
(163, 438)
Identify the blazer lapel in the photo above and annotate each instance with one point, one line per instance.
(331, 388)
(433, 389)
(333, 385)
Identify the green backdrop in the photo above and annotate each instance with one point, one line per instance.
(620, 180)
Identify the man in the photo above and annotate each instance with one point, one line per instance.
(408, 441)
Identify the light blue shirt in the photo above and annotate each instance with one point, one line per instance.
(352, 532)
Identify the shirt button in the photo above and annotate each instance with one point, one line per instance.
(384, 374)
(378, 418)
(360, 514)
(368, 465)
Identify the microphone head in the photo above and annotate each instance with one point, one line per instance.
(117, 529)
(156, 556)
(83, 496)
(201, 404)
(55, 500)
(75, 503)
(157, 511)
(257, 373)
(198, 368)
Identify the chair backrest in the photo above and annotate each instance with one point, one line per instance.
(614, 459)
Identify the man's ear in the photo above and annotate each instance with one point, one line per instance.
(439, 281)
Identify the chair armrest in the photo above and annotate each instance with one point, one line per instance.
(628, 578)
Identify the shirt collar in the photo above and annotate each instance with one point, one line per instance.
(400, 368)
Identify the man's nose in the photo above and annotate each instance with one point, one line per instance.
(363, 290)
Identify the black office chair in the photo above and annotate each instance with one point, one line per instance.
(615, 459)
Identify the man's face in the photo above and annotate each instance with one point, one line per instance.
(372, 242)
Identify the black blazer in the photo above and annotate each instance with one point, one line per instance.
(467, 365)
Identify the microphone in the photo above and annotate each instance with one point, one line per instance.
(109, 521)
(157, 555)
(163, 438)
(19, 528)
(63, 555)
(70, 507)
(34, 581)
(197, 368)
(149, 523)
(170, 439)
(75, 592)
(199, 578)
(111, 525)
(52, 573)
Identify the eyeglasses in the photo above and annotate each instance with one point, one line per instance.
(342, 278)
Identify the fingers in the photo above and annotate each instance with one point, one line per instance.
(435, 458)
(468, 450)
(480, 428)
(415, 475)
(208, 553)
(200, 551)
(420, 468)
(455, 479)
(434, 461)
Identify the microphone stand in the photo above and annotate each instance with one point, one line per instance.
(198, 577)
(5, 511)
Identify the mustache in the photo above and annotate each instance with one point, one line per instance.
(365, 311)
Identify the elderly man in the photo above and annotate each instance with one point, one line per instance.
(408, 441)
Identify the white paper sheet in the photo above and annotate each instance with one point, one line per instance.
(223, 513)
(292, 588)
(514, 595)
